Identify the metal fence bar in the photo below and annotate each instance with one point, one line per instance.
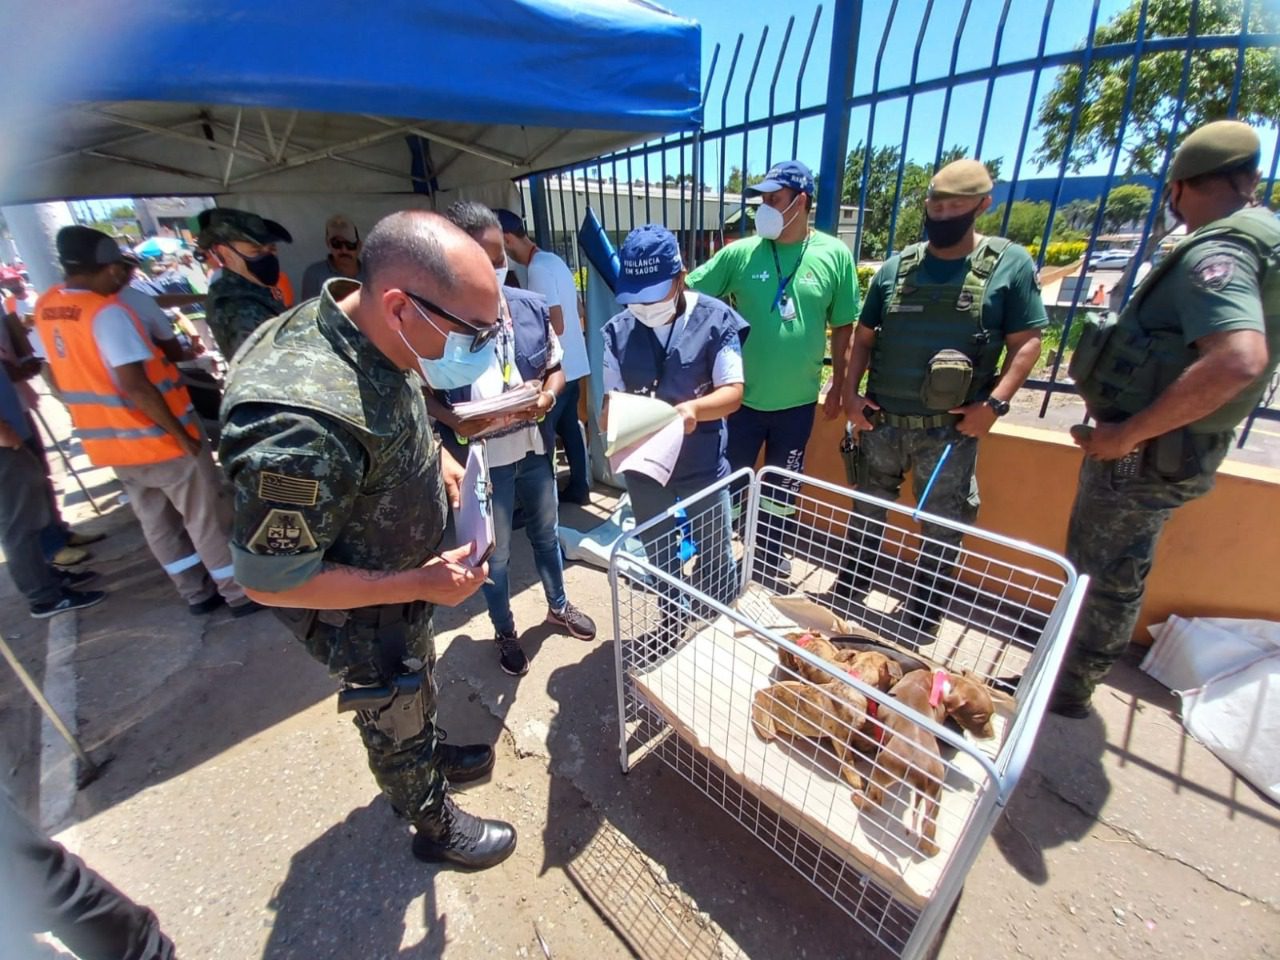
(946, 98)
(991, 81)
(695, 182)
(1157, 202)
(746, 115)
(869, 150)
(773, 89)
(1100, 215)
(845, 26)
(906, 129)
(800, 72)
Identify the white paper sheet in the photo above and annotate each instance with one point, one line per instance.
(473, 519)
(645, 435)
(517, 398)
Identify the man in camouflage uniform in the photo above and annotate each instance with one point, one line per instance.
(340, 503)
(244, 296)
(1187, 359)
(935, 321)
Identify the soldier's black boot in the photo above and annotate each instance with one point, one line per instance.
(856, 579)
(449, 834)
(464, 763)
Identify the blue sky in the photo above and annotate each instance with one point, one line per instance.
(723, 20)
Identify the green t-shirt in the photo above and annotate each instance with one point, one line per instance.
(1011, 303)
(782, 359)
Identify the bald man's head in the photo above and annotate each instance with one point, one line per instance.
(419, 253)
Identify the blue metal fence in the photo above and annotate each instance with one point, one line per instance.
(694, 197)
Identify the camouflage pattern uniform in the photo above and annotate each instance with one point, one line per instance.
(920, 305)
(332, 459)
(1216, 285)
(236, 307)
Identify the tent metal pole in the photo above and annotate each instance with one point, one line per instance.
(66, 461)
(89, 769)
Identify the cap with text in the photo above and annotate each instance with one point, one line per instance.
(789, 173)
(650, 261)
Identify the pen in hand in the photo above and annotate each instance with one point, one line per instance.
(443, 559)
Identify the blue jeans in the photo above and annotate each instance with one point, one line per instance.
(533, 481)
(716, 572)
(784, 435)
(564, 417)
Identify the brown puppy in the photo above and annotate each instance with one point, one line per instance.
(834, 710)
(910, 754)
(871, 667)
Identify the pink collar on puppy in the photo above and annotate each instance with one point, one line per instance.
(941, 687)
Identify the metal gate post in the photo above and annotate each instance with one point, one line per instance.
(541, 222)
(845, 27)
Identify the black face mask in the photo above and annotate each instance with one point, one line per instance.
(265, 267)
(949, 232)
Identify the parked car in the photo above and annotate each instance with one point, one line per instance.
(1110, 259)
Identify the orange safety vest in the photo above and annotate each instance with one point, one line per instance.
(114, 432)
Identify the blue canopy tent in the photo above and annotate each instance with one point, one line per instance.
(228, 97)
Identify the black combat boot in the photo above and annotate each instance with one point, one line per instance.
(449, 834)
(464, 763)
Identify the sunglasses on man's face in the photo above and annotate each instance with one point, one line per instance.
(480, 336)
(338, 244)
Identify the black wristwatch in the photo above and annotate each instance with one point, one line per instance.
(1001, 407)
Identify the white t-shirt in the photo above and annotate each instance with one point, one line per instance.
(513, 447)
(726, 368)
(152, 316)
(550, 276)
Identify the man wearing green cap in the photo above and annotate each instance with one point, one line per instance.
(1168, 381)
(243, 297)
(936, 319)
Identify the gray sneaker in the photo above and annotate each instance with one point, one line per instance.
(573, 622)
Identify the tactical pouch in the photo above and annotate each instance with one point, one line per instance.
(1095, 330)
(947, 380)
(854, 462)
(298, 621)
(1174, 455)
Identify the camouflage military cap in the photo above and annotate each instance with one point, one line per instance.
(961, 178)
(1219, 145)
(224, 224)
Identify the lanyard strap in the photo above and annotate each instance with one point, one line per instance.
(660, 353)
(784, 282)
(506, 343)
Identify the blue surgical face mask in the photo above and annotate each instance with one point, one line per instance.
(456, 366)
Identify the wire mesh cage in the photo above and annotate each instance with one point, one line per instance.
(857, 685)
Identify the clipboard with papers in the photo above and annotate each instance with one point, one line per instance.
(473, 519)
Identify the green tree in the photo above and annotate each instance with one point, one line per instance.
(1127, 203)
(123, 212)
(734, 183)
(1154, 108)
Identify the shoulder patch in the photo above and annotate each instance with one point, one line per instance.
(1214, 271)
(278, 488)
(282, 531)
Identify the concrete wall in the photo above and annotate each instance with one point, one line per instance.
(1219, 556)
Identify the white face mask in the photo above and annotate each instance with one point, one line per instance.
(501, 273)
(770, 221)
(655, 314)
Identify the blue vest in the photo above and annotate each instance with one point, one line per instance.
(531, 326)
(683, 371)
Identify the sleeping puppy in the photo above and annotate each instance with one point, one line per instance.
(909, 753)
(834, 710)
(872, 668)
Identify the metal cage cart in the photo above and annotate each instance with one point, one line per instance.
(716, 607)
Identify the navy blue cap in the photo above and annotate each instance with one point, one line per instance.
(650, 259)
(510, 221)
(788, 173)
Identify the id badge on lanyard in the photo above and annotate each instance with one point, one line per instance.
(783, 302)
(786, 307)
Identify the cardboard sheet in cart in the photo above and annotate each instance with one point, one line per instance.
(705, 689)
